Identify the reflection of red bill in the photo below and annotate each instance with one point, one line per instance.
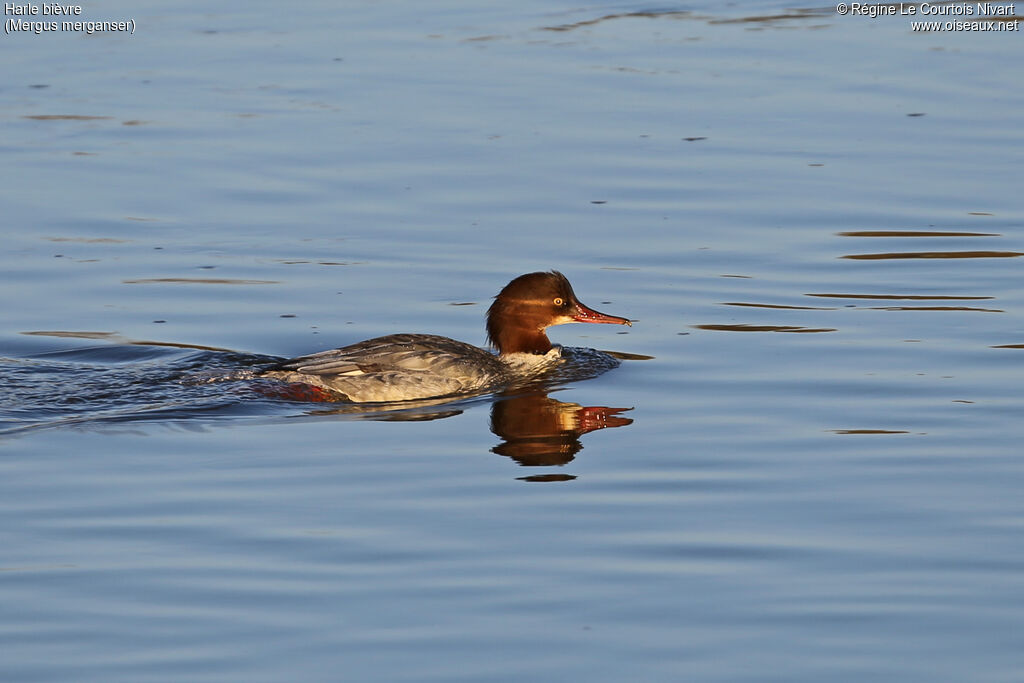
(593, 418)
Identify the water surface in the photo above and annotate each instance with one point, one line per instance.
(808, 469)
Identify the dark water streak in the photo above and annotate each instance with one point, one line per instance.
(108, 384)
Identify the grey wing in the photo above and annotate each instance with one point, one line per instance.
(395, 352)
(396, 367)
(331, 362)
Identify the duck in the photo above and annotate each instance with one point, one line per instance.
(406, 367)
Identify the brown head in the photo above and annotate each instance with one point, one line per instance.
(530, 304)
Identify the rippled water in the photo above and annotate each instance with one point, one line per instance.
(806, 467)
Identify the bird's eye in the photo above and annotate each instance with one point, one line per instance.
(558, 301)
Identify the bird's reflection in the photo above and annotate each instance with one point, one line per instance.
(537, 430)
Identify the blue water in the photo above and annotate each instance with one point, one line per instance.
(806, 468)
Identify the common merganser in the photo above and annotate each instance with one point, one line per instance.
(403, 367)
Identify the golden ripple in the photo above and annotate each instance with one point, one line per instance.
(610, 17)
(868, 431)
(936, 308)
(915, 297)
(764, 328)
(795, 14)
(622, 355)
(766, 19)
(198, 281)
(791, 308)
(65, 117)
(298, 262)
(115, 338)
(87, 240)
(915, 233)
(72, 335)
(934, 254)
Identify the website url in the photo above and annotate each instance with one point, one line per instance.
(965, 25)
